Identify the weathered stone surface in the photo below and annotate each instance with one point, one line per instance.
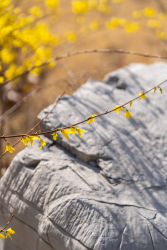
(107, 190)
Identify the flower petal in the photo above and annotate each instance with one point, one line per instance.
(2, 236)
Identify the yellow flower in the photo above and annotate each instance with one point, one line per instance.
(142, 95)
(9, 232)
(130, 104)
(71, 37)
(92, 119)
(35, 137)
(160, 90)
(155, 89)
(54, 136)
(161, 35)
(10, 72)
(79, 7)
(43, 143)
(9, 148)
(2, 79)
(73, 129)
(17, 10)
(24, 140)
(128, 113)
(154, 23)
(117, 109)
(52, 3)
(64, 133)
(7, 55)
(117, 1)
(80, 131)
(94, 25)
(30, 139)
(92, 4)
(104, 7)
(2, 236)
(36, 11)
(132, 27)
(149, 11)
(113, 23)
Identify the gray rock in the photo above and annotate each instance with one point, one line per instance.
(104, 191)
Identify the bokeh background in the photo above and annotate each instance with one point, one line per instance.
(32, 32)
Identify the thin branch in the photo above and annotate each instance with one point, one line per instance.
(47, 113)
(33, 93)
(7, 223)
(36, 124)
(105, 113)
(86, 52)
(29, 96)
(70, 73)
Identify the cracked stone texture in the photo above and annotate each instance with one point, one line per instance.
(105, 191)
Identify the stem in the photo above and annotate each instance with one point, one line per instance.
(7, 223)
(105, 113)
(81, 52)
(36, 124)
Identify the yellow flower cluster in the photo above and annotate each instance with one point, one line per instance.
(8, 233)
(141, 95)
(52, 3)
(132, 27)
(28, 138)
(118, 108)
(91, 118)
(82, 6)
(79, 6)
(94, 25)
(65, 133)
(161, 35)
(71, 36)
(25, 139)
(147, 11)
(9, 148)
(19, 36)
(154, 23)
(115, 22)
(128, 114)
(79, 131)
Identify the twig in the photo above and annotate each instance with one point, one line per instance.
(33, 93)
(47, 113)
(29, 96)
(70, 73)
(36, 124)
(86, 52)
(7, 223)
(105, 113)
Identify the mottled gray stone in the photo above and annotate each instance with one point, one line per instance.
(104, 191)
